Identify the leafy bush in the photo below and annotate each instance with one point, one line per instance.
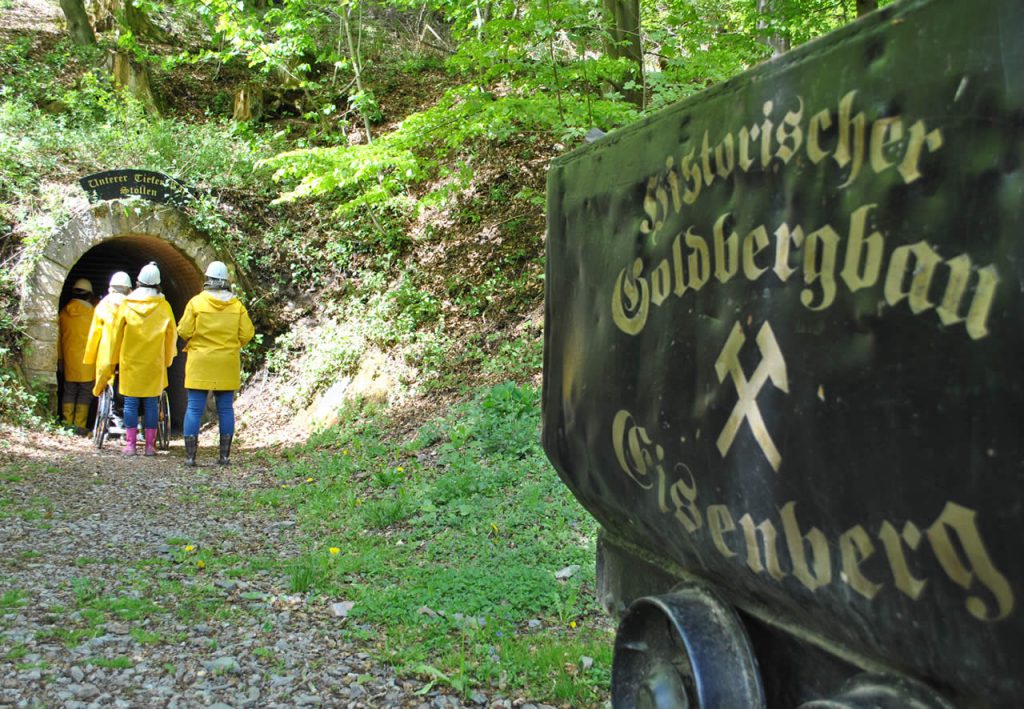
(18, 405)
(381, 173)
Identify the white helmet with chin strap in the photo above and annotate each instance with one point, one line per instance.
(149, 275)
(82, 287)
(217, 275)
(120, 282)
(217, 270)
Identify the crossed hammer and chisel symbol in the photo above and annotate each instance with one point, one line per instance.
(772, 367)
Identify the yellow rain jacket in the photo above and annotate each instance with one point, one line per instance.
(217, 327)
(101, 335)
(73, 323)
(145, 341)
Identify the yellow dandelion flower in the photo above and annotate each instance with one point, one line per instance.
(494, 527)
(189, 547)
(400, 468)
(200, 564)
(345, 452)
(572, 624)
(334, 551)
(309, 480)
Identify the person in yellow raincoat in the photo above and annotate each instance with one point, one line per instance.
(73, 327)
(217, 327)
(145, 342)
(101, 336)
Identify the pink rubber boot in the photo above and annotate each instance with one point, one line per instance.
(131, 436)
(150, 442)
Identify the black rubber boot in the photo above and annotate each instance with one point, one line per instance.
(191, 446)
(225, 449)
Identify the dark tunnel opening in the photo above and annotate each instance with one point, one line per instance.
(180, 280)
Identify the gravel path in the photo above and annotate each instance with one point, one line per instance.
(103, 603)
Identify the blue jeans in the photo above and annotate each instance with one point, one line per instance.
(131, 411)
(196, 404)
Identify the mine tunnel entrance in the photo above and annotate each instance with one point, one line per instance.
(181, 279)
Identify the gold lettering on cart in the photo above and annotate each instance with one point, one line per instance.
(772, 367)
(957, 290)
(826, 256)
(873, 562)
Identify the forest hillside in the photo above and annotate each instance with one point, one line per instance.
(374, 172)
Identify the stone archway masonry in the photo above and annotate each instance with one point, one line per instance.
(100, 223)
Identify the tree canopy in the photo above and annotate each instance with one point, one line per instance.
(557, 65)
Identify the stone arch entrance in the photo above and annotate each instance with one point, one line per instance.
(108, 237)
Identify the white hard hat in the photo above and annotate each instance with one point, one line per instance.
(121, 279)
(149, 275)
(82, 284)
(218, 270)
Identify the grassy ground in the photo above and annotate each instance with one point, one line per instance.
(456, 556)
(462, 543)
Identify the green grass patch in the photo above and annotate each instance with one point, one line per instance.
(16, 653)
(12, 598)
(70, 637)
(144, 637)
(87, 561)
(448, 545)
(112, 663)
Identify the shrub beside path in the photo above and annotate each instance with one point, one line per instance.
(106, 598)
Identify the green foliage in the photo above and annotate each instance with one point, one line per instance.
(297, 43)
(382, 173)
(363, 174)
(103, 127)
(18, 405)
(39, 79)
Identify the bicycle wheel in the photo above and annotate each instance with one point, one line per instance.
(102, 424)
(163, 424)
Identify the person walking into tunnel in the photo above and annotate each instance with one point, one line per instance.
(217, 327)
(73, 327)
(145, 342)
(98, 347)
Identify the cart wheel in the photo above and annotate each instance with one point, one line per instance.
(163, 424)
(687, 649)
(102, 424)
(873, 691)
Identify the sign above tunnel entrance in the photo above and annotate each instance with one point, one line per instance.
(120, 184)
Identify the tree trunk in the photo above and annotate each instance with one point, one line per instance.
(357, 67)
(132, 77)
(779, 44)
(248, 103)
(866, 6)
(623, 42)
(101, 14)
(78, 22)
(139, 23)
